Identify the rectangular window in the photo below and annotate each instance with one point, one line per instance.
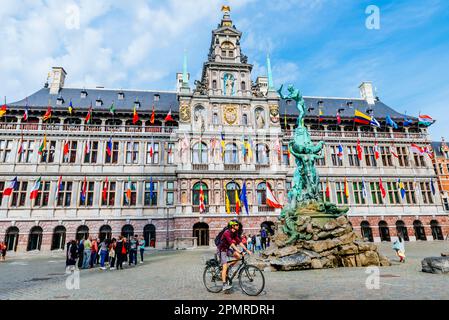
(150, 196)
(152, 153)
(113, 159)
(28, 149)
(387, 159)
(426, 193)
(340, 189)
(170, 200)
(370, 158)
(322, 190)
(393, 193)
(410, 193)
(352, 156)
(19, 195)
(419, 160)
(5, 150)
(48, 155)
(285, 155)
(170, 153)
(321, 162)
(130, 193)
(91, 156)
(440, 165)
(336, 161)
(71, 156)
(376, 194)
(65, 194)
(402, 156)
(110, 194)
(446, 204)
(358, 193)
(43, 195)
(132, 152)
(88, 200)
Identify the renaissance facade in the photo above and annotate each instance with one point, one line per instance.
(112, 163)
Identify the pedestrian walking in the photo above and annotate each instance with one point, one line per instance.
(142, 248)
(98, 252)
(263, 238)
(112, 254)
(133, 243)
(3, 250)
(87, 252)
(71, 255)
(258, 243)
(120, 251)
(250, 243)
(80, 253)
(103, 252)
(399, 247)
(94, 253)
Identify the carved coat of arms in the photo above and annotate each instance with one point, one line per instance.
(184, 113)
(230, 114)
(274, 113)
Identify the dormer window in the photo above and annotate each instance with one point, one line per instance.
(369, 111)
(157, 97)
(83, 94)
(349, 104)
(60, 101)
(289, 102)
(320, 103)
(121, 95)
(98, 102)
(137, 104)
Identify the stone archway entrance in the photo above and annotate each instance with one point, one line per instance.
(269, 226)
(437, 232)
(12, 238)
(58, 241)
(149, 234)
(384, 232)
(420, 233)
(367, 232)
(35, 239)
(402, 230)
(201, 232)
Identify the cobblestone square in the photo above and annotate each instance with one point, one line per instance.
(178, 275)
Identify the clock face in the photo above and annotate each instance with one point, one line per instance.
(230, 114)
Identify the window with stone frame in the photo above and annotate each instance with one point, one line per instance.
(153, 153)
(131, 198)
(231, 153)
(132, 152)
(18, 197)
(113, 159)
(322, 190)
(446, 204)
(150, 196)
(426, 193)
(410, 195)
(170, 154)
(357, 188)
(419, 160)
(2, 187)
(340, 191)
(89, 199)
(262, 154)
(196, 190)
(321, 162)
(5, 150)
(71, 156)
(393, 193)
(92, 156)
(200, 153)
(387, 159)
(170, 193)
(403, 158)
(28, 151)
(65, 194)
(48, 155)
(336, 161)
(109, 199)
(376, 194)
(285, 155)
(370, 158)
(43, 195)
(353, 156)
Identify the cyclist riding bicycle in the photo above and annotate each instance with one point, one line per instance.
(227, 250)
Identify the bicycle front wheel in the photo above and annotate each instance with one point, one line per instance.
(212, 279)
(251, 280)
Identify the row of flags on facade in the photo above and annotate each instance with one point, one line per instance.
(364, 119)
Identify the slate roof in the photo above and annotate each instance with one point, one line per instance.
(436, 146)
(169, 100)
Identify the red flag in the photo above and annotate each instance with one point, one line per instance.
(89, 115)
(202, 206)
(135, 116)
(376, 151)
(66, 149)
(169, 117)
(359, 150)
(152, 116)
(328, 190)
(3, 110)
(271, 200)
(105, 189)
(382, 189)
(338, 118)
(394, 153)
(47, 114)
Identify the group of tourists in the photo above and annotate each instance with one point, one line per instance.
(91, 252)
(258, 242)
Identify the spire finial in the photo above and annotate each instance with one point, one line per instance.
(270, 74)
(185, 80)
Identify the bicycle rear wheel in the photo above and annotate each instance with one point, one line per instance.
(212, 279)
(251, 280)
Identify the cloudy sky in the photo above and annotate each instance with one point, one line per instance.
(322, 46)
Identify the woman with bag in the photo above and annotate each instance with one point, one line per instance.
(119, 249)
(399, 247)
(112, 254)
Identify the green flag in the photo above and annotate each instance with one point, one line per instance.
(112, 108)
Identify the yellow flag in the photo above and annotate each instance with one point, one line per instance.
(228, 203)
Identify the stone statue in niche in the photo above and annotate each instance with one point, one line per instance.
(260, 119)
(199, 118)
(229, 84)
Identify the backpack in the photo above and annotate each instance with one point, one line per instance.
(219, 236)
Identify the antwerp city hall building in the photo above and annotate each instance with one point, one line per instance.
(116, 175)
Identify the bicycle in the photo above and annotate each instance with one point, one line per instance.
(251, 278)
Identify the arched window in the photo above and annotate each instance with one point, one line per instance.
(128, 231)
(231, 154)
(82, 233)
(58, 241)
(215, 118)
(420, 233)
(201, 232)
(200, 153)
(12, 238)
(437, 232)
(231, 188)
(149, 234)
(214, 84)
(245, 119)
(105, 233)
(384, 231)
(243, 86)
(262, 153)
(367, 232)
(35, 239)
(262, 194)
(196, 194)
(402, 230)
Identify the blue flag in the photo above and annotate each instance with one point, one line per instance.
(151, 190)
(243, 198)
(432, 186)
(391, 123)
(407, 122)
